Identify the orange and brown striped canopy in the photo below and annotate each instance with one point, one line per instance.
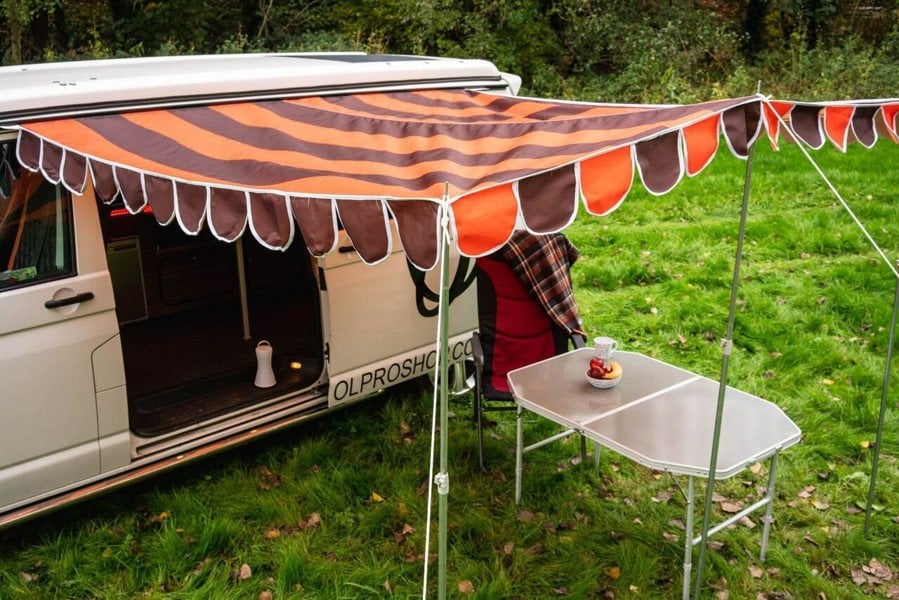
(358, 160)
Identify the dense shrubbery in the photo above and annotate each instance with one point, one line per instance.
(616, 50)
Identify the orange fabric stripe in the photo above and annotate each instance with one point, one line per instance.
(836, 124)
(606, 179)
(889, 116)
(485, 220)
(772, 125)
(701, 143)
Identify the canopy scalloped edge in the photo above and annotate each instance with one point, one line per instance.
(535, 181)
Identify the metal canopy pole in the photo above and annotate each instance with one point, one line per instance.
(883, 404)
(441, 480)
(727, 347)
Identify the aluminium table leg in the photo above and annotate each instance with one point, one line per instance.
(688, 537)
(519, 444)
(772, 476)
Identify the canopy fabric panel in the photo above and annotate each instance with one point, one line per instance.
(361, 160)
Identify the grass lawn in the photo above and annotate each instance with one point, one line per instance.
(336, 508)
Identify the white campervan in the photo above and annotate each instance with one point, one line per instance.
(127, 347)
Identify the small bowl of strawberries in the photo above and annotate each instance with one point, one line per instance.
(603, 373)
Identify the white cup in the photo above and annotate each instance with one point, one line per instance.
(605, 347)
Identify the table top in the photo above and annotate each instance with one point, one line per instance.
(659, 415)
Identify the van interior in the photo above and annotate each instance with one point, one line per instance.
(189, 341)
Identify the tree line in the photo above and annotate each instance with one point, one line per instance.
(608, 50)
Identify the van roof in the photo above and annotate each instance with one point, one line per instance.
(93, 86)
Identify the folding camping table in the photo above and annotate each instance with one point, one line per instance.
(660, 416)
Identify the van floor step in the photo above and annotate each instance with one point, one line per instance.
(162, 413)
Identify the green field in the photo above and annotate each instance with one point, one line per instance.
(336, 508)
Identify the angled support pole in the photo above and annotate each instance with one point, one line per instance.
(727, 345)
(883, 404)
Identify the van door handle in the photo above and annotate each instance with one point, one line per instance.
(76, 299)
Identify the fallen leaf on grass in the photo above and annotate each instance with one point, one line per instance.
(466, 587)
(561, 591)
(670, 536)
(662, 497)
(535, 549)
(525, 515)
(756, 468)
(613, 572)
(313, 521)
(201, 565)
(160, 517)
(508, 547)
(270, 479)
(388, 586)
(264, 595)
(820, 505)
(245, 572)
(376, 497)
(677, 523)
(747, 522)
(731, 507)
(272, 534)
(755, 572)
(28, 577)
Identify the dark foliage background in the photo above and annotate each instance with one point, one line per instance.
(610, 50)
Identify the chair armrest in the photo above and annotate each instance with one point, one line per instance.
(477, 351)
(579, 340)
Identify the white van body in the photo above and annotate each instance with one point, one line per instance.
(127, 347)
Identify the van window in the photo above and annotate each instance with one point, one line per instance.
(35, 226)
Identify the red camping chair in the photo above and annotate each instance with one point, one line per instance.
(514, 331)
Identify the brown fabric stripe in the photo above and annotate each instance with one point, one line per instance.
(190, 206)
(416, 223)
(227, 213)
(741, 126)
(659, 161)
(271, 220)
(74, 172)
(161, 197)
(315, 218)
(863, 125)
(105, 186)
(131, 188)
(365, 225)
(805, 123)
(51, 161)
(549, 200)
(29, 150)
